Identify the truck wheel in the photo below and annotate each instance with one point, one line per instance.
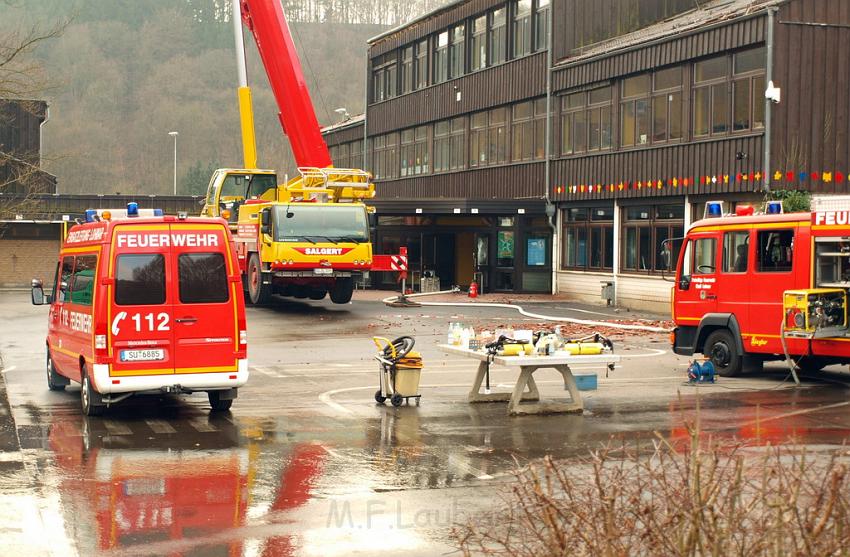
(91, 400)
(721, 349)
(258, 293)
(217, 403)
(342, 290)
(55, 382)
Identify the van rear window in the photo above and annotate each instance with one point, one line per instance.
(140, 280)
(203, 278)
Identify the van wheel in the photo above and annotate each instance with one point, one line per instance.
(91, 400)
(217, 403)
(258, 293)
(721, 349)
(55, 382)
(342, 290)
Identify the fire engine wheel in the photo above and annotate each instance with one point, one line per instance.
(91, 401)
(342, 290)
(259, 293)
(721, 349)
(396, 400)
(54, 380)
(379, 398)
(217, 403)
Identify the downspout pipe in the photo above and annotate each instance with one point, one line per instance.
(551, 208)
(768, 103)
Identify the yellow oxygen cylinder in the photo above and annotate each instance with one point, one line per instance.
(584, 348)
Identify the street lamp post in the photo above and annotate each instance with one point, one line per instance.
(174, 135)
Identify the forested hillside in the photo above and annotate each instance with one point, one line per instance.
(125, 73)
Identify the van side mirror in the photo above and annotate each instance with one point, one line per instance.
(266, 221)
(373, 220)
(37, 292)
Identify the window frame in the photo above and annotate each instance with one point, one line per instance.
(583, 229)
(570, 115)
(522, 42)
(497, 32)
(673, 227)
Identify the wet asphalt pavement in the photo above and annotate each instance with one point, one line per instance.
(307, 464)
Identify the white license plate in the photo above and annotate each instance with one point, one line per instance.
(323, 271)
(150, 355)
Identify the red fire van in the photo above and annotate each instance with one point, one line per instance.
(747, 284)
(146, 305)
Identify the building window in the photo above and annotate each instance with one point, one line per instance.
(457, 51)
(748, 88)
(588, 234)
(355, 154)
(498, 36)
(441, 57)
(528, 125)
(449, 145)
(488, 138)
(478, 45)
(420, 80)
(385, 156)
(711, 96)
(407, 70)
(635, 110)
(522, 28)
(645, 231)
(667, 105)
(384, 77)
(340, 156)
(541, 25)
(415, 155)
(586, 121)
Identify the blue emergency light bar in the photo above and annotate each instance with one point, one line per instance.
(774, 208)
(713, 209)
(132, 209)
(90, 215)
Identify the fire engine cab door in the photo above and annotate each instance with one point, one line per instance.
(205, 309)
(696, 285)
(140, 308)
(735, 276)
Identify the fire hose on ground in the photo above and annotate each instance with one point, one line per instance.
(404, 300)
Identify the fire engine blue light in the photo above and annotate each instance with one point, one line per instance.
(715, 210)
(132, 209)
(774, 207)
(157, 212)
(90, 214)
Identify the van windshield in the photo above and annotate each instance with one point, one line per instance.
(321, 223)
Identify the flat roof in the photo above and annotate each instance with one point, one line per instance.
(350, 123)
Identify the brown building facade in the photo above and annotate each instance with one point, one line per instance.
(622, 117)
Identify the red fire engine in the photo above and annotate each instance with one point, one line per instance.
(753, 288)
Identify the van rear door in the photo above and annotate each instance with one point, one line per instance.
(206, 335)
(140, 307)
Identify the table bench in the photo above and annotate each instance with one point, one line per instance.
(525, 398)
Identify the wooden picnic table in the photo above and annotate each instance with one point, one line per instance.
(522, 401)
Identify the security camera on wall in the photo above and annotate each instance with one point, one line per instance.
(773, 93)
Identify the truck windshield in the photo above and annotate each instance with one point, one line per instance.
(321, 223)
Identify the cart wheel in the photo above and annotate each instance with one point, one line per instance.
(396, 399)
(379, 398)
(417, 401)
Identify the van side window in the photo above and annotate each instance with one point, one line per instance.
(775, 250)
(705, 256)
(140, 280)
(203, 278)
(65, 277)
(82, 281)
(736, 247)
